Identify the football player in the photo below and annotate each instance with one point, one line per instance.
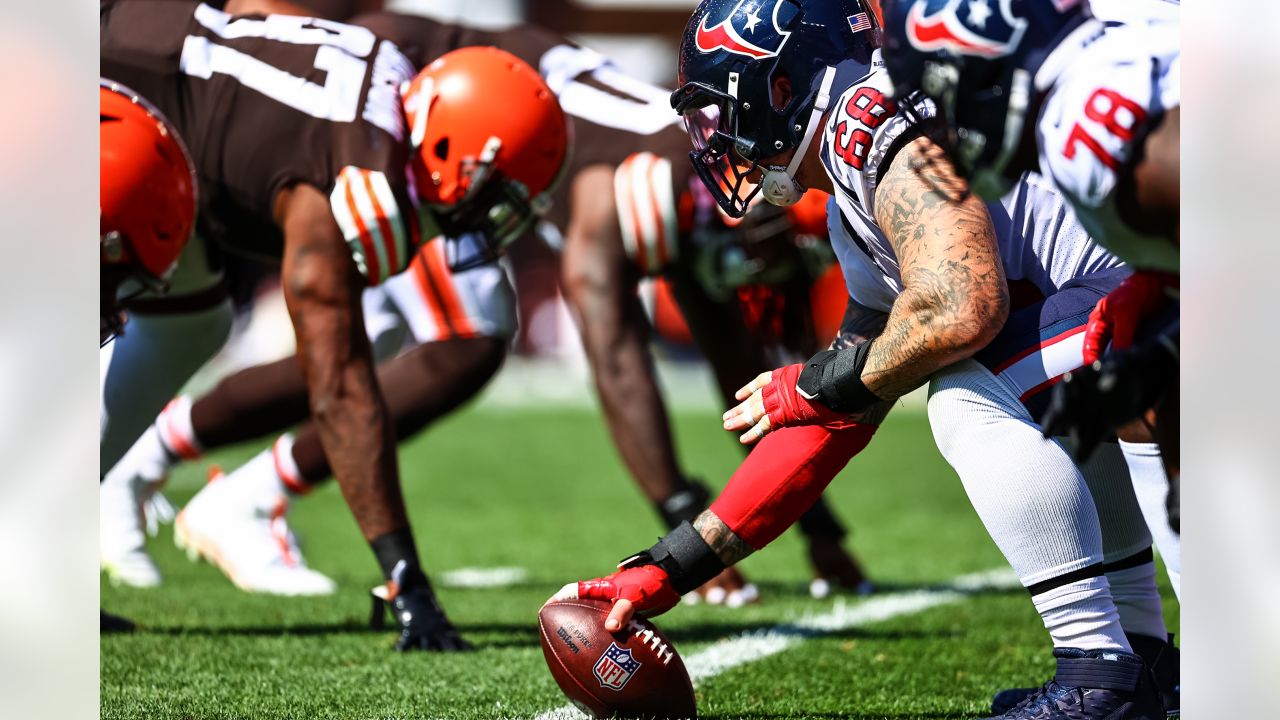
(147, 208)
(305, 150)
(626, 140)
(759, 81)
(1088, 95)
(655, 222)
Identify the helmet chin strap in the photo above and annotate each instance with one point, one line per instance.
(779, 186)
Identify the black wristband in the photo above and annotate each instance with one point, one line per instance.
(688, 560)
(834, 378)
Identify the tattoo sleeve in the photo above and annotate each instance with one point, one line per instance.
(730, 548)
(954, 297)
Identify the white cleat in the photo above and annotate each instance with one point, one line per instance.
(130, 507)
(253, 546)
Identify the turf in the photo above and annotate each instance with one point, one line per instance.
(543, 490)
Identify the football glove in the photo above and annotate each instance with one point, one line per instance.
(1090, 403)
(1116, 317)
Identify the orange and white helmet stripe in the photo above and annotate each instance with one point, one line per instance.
(647, 211)
(365, 207)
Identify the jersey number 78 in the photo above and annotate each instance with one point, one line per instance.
(1117, 114)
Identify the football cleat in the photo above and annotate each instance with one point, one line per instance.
(253, 546)
(130, 507)
(423, 624)
(108, 623)
(1092, 685)
(1161, 657)
(835, 568)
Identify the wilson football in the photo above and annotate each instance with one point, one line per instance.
(633, 673)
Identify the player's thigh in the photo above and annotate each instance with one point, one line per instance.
(1045, 340)
(436, 303)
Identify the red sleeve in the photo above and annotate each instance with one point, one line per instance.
(783, 476)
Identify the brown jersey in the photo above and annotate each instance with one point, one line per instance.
(618, 121)
(267, 102)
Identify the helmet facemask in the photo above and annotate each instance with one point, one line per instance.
(728, 162)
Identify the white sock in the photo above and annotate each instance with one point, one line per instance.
(1031, 497)
(1152, 487)
(287, 468)
(147, 459)
(175, 431)
(257, 483)
(1134, 592)
(1082, 615)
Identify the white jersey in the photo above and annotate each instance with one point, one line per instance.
(1039, 238)
(1107, 83)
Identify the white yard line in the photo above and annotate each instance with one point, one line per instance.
(758, 644)
(478, 577)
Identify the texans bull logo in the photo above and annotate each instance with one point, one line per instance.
(615, 667)
(965, 27)
(752, 28)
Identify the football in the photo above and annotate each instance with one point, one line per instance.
(633, 673)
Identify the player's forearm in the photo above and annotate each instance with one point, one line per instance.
(954, 296)
(926, 332)
(634, 409)
(355, 431)
(730, 548)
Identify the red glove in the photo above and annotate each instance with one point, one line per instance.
(646, 586)
(786, 407)
(1117, 315)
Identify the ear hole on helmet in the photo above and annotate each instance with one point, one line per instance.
(442, 149)
(780, 90)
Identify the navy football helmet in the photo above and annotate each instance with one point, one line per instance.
(731, 54)
(976, 60)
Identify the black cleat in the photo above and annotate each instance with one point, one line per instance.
(423, 624)
(108, 623)
(1092, 685)
(1160, 656)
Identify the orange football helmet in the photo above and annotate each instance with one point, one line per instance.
(147, 200)
(148, 192)
(490, 144)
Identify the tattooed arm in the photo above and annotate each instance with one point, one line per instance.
(730, 548)
(954, 297)
(322, 290)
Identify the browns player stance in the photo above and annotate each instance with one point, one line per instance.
(759, 79)
(303, 150)
(147, 209)
(1088, 95)
(623, 141)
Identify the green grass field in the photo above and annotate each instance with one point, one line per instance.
(544, 491)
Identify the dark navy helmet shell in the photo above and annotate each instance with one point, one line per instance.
(976, 60)
(732, 53)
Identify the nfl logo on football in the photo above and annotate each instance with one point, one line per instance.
(615, 667)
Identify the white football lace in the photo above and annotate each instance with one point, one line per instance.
(653, 640)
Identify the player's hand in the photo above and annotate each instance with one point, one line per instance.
(750, 414)
(1116, 317)
(773, 400)
(1091, 402)
(423, 624)
(644, 590)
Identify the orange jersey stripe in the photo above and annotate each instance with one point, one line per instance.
(659, 218)
(430, 294)
(388, 234)
(459, 319)
(373, 271)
